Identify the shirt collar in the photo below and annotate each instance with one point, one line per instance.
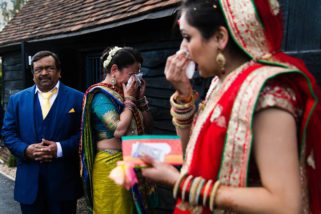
(56, 86)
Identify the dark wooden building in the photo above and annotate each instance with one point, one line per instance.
(79, 30)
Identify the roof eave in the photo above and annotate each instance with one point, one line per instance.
(149, 16)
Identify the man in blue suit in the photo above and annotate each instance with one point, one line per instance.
(42, 129)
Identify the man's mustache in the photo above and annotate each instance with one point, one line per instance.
(44, 78)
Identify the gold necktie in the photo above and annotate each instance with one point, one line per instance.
(46, 101)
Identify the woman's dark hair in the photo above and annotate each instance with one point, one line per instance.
(136, 54)
(207, 17)
(41, 54)
(122, 58)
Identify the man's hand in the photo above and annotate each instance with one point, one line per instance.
(43, 152)
(33, 150)
(51, 147)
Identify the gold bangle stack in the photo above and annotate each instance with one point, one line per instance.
(213, 195)
(142, 104)
(179, 104)
(196, 190)
(182, 110)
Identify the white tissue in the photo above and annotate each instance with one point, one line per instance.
(190, 70)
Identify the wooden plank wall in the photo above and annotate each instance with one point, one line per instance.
(13, 76)
(158, 89)
(303, 32)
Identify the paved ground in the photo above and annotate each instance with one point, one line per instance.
(7, 204)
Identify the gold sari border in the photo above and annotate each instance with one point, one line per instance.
(245, 27)
(238, 144)
(214, 94)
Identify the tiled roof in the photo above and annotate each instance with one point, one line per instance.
(44, 18)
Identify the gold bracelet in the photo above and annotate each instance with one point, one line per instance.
(177, 184)
(131, 98)
(184, 116)
(207, 188)
(186, 99)
(180, 106)
(181, 126)
(188, 179)
(182, 98)
(213, 193)
(198, 191)
(192, 190)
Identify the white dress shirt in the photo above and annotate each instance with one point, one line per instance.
(51, 100)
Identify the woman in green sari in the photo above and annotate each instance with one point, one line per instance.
(111, 109)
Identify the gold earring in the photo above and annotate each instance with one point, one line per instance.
(113, 82)
(221, 61)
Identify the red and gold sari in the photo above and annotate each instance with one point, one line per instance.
(222, 132)
(222, 135)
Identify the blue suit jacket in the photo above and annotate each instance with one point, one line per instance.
(19, 131)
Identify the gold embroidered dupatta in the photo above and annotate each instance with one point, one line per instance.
(220, 144)
(221, 141)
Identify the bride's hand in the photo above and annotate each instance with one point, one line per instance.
(160, 172)
(175, 72)
(131, 88)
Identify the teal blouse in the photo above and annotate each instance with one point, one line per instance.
(105, 116)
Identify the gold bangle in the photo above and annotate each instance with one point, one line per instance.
(181, 126)
(186, 99)
(188, 179)
(184, 116)
(198, 191)
(192, 190)
(207, 188)
(213, 193)
(177, 184)
(182, 98)
(131, 98)
(180, 106)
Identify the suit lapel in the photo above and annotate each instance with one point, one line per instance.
(31, 108)
(58, 106)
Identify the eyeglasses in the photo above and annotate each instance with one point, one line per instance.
(49, 68)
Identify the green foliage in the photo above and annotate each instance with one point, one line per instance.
(12, 162)
(8, 10)
(4, 11)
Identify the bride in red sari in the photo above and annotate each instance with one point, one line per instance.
(252, 145)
